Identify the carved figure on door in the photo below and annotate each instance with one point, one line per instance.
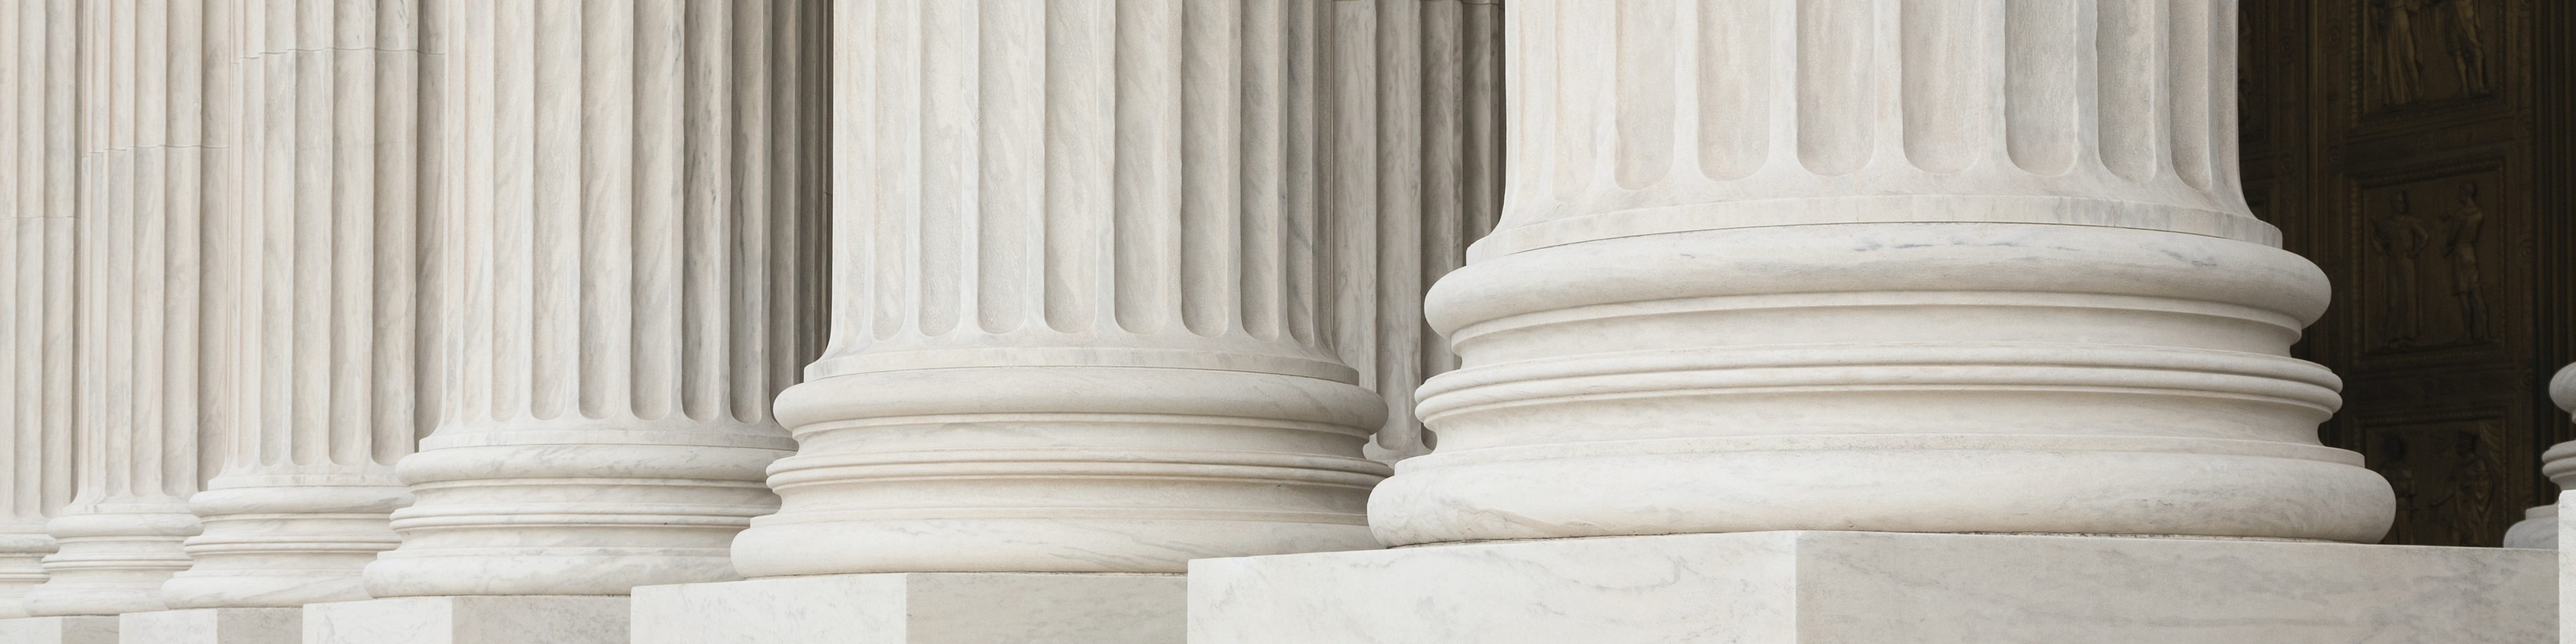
(2465, 226)
(2401, 237)
(2468, 49)
(2399, 67)
(2473, 504)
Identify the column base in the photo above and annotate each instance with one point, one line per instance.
(59, 630)
(213, 626)
(917, 608)
(1798, 587)
(476, 619)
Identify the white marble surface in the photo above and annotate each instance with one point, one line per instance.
(917, 608)
(485, 619)
(1803, 587)
(59, 630)
(213, 626)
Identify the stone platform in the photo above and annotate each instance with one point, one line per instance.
(917, 608)
(482, 619)
(59, 630)
(1883, 588)
(213, 626)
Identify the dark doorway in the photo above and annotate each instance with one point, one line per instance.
(2418, 150)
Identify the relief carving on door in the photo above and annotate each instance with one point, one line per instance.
(2396, 55)
(2447, 477)
(2466, 225)
(2428, 283)
(2418, 151)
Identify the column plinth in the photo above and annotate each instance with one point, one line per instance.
(113, 557)
(570, 512)
(285, 541)
(1851, 265)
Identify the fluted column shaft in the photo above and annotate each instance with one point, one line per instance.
(1897, 265)
(333, 297)
(155, 245)
(1672, 115)
(39, 154)
(626, 249)
(1412, 167)
(1082, 318)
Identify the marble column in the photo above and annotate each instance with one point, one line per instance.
(1883, 265)
(1080, 316)
(335, 188)
(628, 249)
(155, 245)
(1412, 170)
(39, 155)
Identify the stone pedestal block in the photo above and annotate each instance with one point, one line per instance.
(477, 619)
(917, 608)
(213, 626)
(1792, 586)
(59, 630)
